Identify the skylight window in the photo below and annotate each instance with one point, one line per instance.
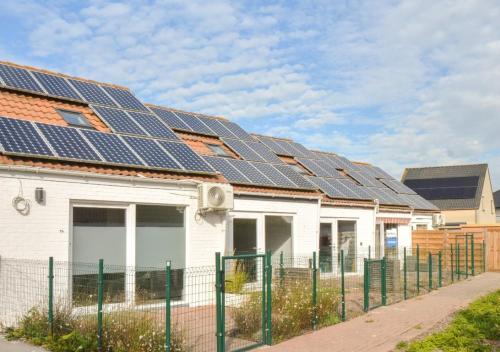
(74, 118)
(218, 150)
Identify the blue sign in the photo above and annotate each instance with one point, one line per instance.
(391, 242)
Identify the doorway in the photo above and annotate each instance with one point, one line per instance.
(325, 247)
(244, 236)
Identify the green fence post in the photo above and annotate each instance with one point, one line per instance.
(440, 269)
(342, 284)
(405, 272)
(484, 256)
(314, 291)
(218, 296)
(458, 261)
(366, 293)
(472, 259)
(418, 269)
(369, 252)
(429, 263)
(168, 325)
(384, 281)
(451, 264)
(466, 256)
(51, 296)
(100, 296)
(269, 300)
(282, 270)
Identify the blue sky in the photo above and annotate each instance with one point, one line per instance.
(395, 83)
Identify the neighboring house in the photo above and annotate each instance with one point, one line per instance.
(496, 197)
(87, 171)
(463, 193)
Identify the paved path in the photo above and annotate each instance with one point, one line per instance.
(382, 328)
(17, 346)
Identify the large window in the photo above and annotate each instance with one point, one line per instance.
(325, 247)
(279, 235)
(160, 236)
(391, 240)
(347, 243)
(98, 233)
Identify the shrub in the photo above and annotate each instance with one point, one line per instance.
(292, 310)
(122, 332)
(236, 281)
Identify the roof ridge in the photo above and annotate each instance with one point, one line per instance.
(445, 166)
(63, 75)
(272, 137)
(161, 107)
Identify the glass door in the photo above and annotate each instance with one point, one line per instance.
(346, 230)
(325, 247)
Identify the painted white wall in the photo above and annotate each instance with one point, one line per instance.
(425, 220)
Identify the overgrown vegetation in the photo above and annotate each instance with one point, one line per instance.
(122, 332)
(236, 281)
(476, 328)
(292, 310)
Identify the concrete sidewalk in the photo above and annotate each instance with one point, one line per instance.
(382, 328)
(17, 346)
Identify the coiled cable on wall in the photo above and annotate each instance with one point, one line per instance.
(21, 204)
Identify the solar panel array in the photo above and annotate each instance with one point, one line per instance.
(68, 88)
(19, 137)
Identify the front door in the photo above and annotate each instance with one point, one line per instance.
(325, 247)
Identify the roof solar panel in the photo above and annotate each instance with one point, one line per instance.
(229, 172)
(295, 177)
(56, 86)
(251, 172)
(19, 78)
(359, 190)
(292, 148)
(264, 152)
(271, 144)
(312, 166)
(397, 186)
(286, 147)
(112, 148)
(364, 180)
(125, 99)
(447, 193)
(242, 149)
(467, 181)
(119, 120)
(20, 137)
(381, 173)
(68, 143)
(236, 130)
(171, 119)
(218, 127)
(194, 123)
(303, 150)
(152, 125)
(330, 169)
(152, 153)
(274, 175)
(185, 156)
(325, 187)
(348, 191)
(92, 93)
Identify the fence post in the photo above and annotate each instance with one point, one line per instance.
(314, 291)
(51, 296)
(282, 270)
(405, 272)
(429, 262)
(269, 300)
(100, 297)
(418, 269)
(440, 269)
(366, 292)
(342, 283)
(451, 264)
(384, 281)
(168, 325)
(218, 295)
(369, 252)
(484, 256)
(458, 261)
(472, 261)
(466, 256)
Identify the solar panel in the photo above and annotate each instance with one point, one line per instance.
(125, 99)
(467, 181)
(381, 173)
(359, 190)
(92, 93)
(250, 172)
(171, 119)
(292, 148)
(397, 186)
(264, 152)
(18, 136)
(303, 150)
(185, 156)
(286, 147)
(229, 172)
(364, 180)
(332, 171)
(152, 125)
(112, 148)
(314, 167)
(118, 120)
(447, 193)
(236, 130)
(194, 123)
(151, 153)
(18, 78)
(271, 144)
(325, 187)
(242, 149)
(67, 142)
(295, 177)
(56, 86)
(349, 191)
(274, 175)
(218, 128)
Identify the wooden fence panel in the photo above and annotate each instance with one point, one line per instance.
(493, 247)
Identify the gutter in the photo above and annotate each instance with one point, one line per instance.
(276, 195)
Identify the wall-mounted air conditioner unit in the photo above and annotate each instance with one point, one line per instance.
(438, 220)
(215, 197)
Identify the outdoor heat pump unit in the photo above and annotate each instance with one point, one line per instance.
(437, 220)
(215, 197)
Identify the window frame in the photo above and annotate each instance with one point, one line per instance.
(219, 149)
(87, 124)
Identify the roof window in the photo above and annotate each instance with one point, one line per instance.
(218, 150)
(75, 119)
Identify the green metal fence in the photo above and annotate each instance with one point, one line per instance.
(241, 302)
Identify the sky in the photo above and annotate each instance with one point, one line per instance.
(394, 83)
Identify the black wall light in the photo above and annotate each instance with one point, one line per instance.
(40, 195)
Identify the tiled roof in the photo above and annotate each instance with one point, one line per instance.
(449, 173)
(42, 107)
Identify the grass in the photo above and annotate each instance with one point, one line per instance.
(474, 329)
